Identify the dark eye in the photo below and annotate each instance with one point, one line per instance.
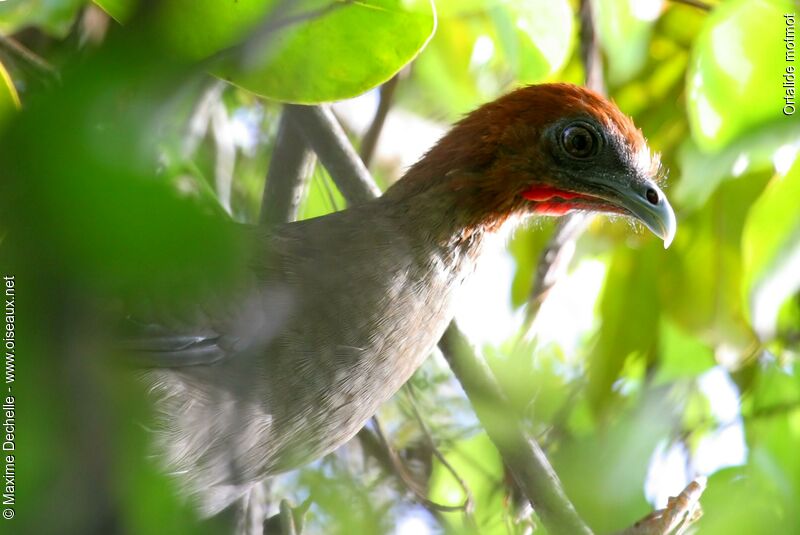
(579, 141)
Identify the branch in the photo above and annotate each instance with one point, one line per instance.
(325, 135)
(521, 453)
(370, 139)
(675, 519)
(289, 170)
(590, 48)
(519, 450)
(553, 264)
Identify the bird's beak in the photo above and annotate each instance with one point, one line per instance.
(647, 203)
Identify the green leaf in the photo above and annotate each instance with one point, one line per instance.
(771, 250)
(734, 81)
(452, 8)
(339, 53)
(197, 29)
(55, 17)
(527, 245)
(317, 51)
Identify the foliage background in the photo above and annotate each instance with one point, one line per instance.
(647, 368)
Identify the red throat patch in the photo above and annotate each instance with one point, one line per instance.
(543, 197)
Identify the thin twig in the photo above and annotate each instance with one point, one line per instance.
(411, 484)
(469, 505)
(288, 175)
(370, 139)
(552, 266)
(38, 65)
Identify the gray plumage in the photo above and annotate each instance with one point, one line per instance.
(341, 310)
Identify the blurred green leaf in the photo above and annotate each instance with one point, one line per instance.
(771, 250)
(95, 198)
(702, 173)
(624, 28)
(762, 496)
(452, 8)
(539, 39)
(55, 17)
(734, 80)
(744, 500)
(527, 246)
(477, 54)
(605, 471)
(631, 291)
(701, 276)
(681, 355)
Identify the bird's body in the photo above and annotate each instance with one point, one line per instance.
(332, 342)
(337, 312)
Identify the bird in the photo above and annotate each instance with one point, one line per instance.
(336, 313)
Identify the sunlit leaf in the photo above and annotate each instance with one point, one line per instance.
(771, 250)
(734, 82)
(305, 52)
(762, 496)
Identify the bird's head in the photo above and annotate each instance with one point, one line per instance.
(546, 149)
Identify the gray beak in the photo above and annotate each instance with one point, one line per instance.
(647, 203)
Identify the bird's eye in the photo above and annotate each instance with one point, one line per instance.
(579, 141)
